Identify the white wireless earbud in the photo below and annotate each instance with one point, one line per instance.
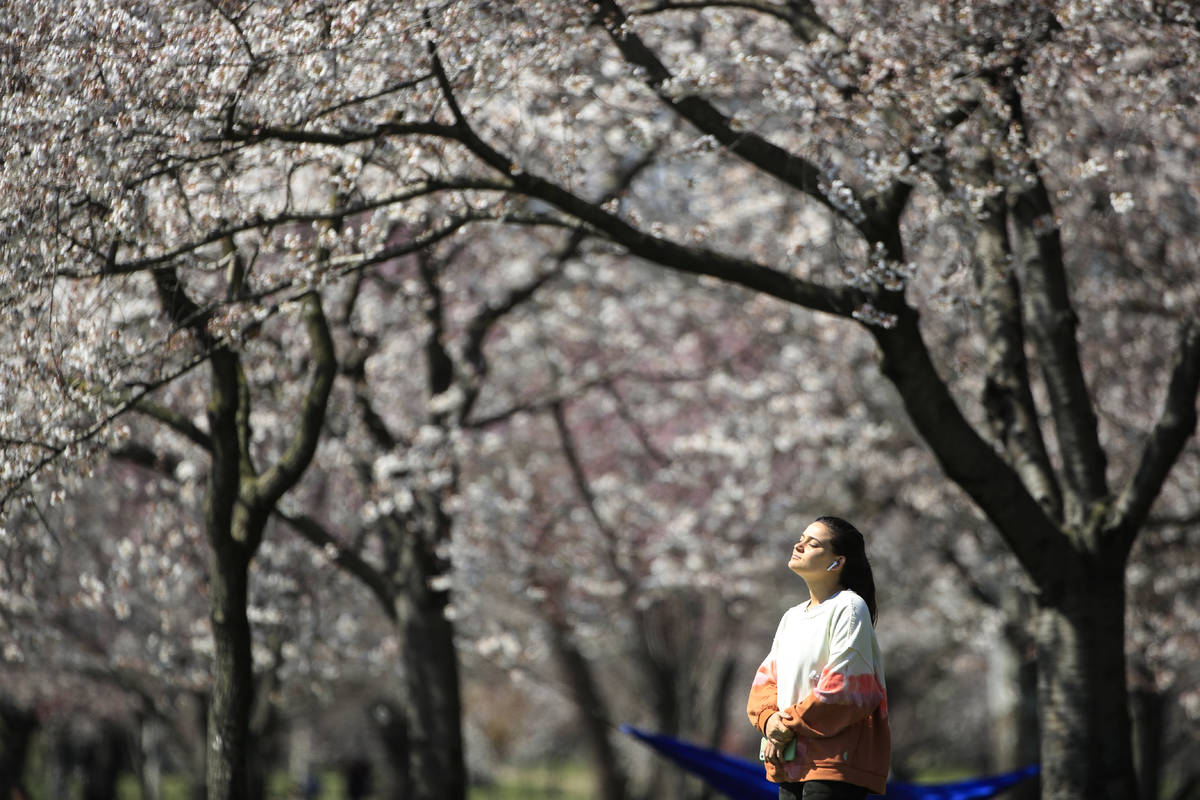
(830, 568)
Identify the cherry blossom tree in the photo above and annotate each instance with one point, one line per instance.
(100, 619)
(643, 511)
(1002, 196)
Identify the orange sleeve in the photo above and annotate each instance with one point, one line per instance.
(764, 695)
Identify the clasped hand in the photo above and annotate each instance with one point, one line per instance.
(778, 736)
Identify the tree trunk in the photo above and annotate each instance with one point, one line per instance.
(1086, 753)
(151, 739)
(17, 727)
(1012, 694)
(432, 700)
(588, 700)
(1148, 708)
(103, 756)
(238, 501)
(232, 694)
(197, 754)
(233, 676)
(391, 725)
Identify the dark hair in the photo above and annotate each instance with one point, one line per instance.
(856, 572)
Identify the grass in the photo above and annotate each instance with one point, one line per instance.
(558, 781)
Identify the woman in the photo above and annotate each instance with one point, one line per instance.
(819, 697)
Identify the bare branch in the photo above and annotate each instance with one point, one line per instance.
(800, 15)
(635, 425)
(966, 457)
(841, 301)
(1051, 320)
(249, 133)
(345, 558)
(148, 458)
(55, 451)
(179, 308)
(392, 89)
(571, 453)
(1007, 397)
(485, 320)
(875, 217)
(115, 267)
(536, 406)
(792, 169)
(287, 471)
(177, 422)
(969, 578)
(1176, 424)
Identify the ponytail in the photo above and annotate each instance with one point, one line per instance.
(856, 576)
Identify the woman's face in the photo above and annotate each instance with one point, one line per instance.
(813, 553)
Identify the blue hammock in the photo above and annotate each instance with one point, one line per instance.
(740, 779)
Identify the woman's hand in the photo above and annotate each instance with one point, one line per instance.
(773, 753)
(777, 731)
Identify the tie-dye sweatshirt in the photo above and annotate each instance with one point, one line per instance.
(826, 671)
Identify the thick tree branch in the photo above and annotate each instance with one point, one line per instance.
(224, 474)
(355, 367)
(841, 301)
(875, 217)
(287, 471)
(148, 458)
(1176, 424)
(345, 558)
(439, 366)
(244, 429)
(250, 133)
(693, 260)
(179, 308)
(800, 15)
(1007, 398)
(790, 168)
(1051, 321)
(965, 457)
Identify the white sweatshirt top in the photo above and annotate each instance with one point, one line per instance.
(825, 670)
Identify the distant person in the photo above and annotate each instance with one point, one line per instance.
(358, 779)
(312, 786)
(819, 697)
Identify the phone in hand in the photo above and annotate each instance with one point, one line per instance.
(789, 750)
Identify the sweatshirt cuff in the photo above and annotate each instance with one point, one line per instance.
(763, 716)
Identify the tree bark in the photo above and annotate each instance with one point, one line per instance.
(228, 585)
(432, 700)
(104, 754)
(150, 756)
(589, 700)
(17, 727)
(1086, 753)
(1148, 710)
(238, 502)
(1013, 715)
